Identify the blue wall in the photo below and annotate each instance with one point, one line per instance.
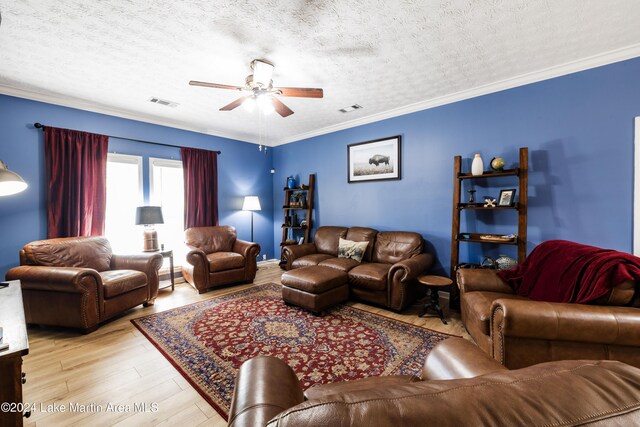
(242, 169)
(579, 130)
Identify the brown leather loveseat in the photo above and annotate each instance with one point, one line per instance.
(459, 386)
(520, 332)
(78, 282)
(217, 257)
(385, 276)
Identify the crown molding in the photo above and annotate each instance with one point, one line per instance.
(80, 104)
(599, 60)
(606, 58)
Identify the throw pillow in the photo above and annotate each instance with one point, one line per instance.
(351, 249)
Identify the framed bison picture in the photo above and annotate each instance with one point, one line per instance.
(375, 160)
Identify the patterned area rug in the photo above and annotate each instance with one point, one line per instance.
(208, 341)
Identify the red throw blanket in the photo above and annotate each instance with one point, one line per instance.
(562, 271)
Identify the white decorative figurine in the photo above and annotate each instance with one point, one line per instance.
(489, 202)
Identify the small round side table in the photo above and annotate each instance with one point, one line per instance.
(433, 283)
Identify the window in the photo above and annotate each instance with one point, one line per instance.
(124, 195)
(167, 190)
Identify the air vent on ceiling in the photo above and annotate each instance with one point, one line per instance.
(350, 108)
(163, 102)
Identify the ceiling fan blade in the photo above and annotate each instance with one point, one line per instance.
(213, 85)
(282, 109)
(234, 104)
(300, 92)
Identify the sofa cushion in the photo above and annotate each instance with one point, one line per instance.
(84, 252)
(370, 275)
(363, 234)
(309, 260)
(351, 249)
(476, 307)
(342, 264)
(326, 239)
(321, 391)
(393, 246)
(564, 393)
(221, 261)
(118, 282)
(211, 239)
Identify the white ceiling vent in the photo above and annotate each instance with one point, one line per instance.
(163, 102)
(350, 108)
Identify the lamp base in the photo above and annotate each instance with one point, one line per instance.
(150, 240)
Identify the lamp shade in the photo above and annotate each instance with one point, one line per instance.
(10, 182)
(147, 215)
(251, 203)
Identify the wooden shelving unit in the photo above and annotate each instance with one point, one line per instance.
(292, 220)
(457, 237)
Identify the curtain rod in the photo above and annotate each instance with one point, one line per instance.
(41, 126)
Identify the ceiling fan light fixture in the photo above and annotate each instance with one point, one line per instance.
(265, 104)
(249, 104)
(262, 72)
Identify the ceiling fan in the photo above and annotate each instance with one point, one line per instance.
(261, 89)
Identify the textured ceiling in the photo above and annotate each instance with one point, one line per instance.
(388, 56)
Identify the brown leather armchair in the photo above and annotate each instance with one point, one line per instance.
(519, 332)
(459, 386)
(216, 257)
(78, 282)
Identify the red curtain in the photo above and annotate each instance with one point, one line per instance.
(200, 169)
(76, 193)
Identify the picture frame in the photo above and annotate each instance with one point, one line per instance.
(376, 160)
(507, 197)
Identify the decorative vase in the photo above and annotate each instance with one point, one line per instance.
(291, 182)
(497, 163)
(476, 166)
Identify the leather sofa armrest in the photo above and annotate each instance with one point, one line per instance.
(246, 249)
(400, 284)
(456, 358)
(49, 293)
(197, 258)
(148, 263)
(480, 279)
(265, 386)
(250, 252)
(56, 279)
(293, 252)
(564, 322)
(411, 268)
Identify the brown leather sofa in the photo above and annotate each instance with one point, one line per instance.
(459, 386)
(216, 257)
(519, 332)
(78, 282)
(386, 276)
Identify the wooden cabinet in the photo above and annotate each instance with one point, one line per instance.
(298, 214)
(14, 333)
(457, 236)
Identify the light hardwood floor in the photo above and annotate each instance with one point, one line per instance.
(117, 365)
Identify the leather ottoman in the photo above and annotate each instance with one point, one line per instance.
(314, 288)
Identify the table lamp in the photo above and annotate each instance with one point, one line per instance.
(251, 203)
(148, 216)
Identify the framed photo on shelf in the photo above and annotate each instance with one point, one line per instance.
(507, 197)
(375, 160)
